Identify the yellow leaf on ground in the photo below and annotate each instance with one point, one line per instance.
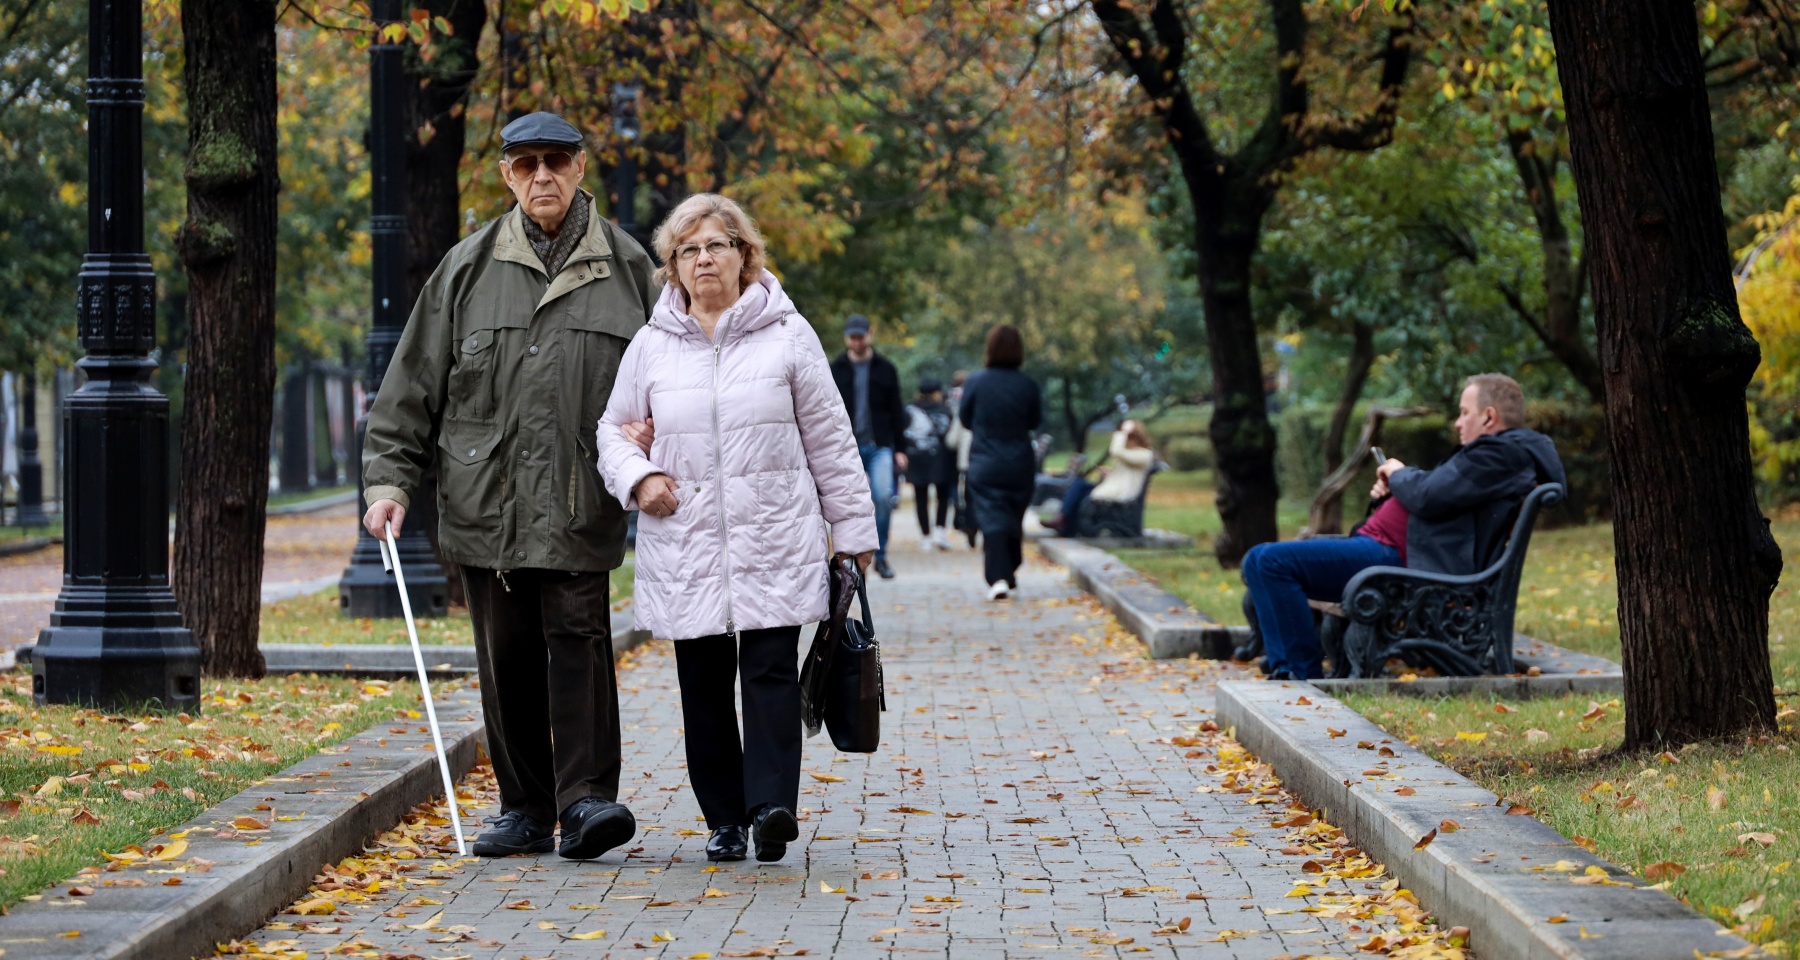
(1472, 737)
(314, 907)
(169, 851)
(1715, 798)
(825, 887)
(587, 935)
(426, 925)
(248, 823)
(825, 777)
(663, 937)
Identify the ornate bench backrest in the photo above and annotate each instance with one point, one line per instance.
(1512, 559)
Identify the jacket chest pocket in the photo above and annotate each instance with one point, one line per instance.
(471, 383)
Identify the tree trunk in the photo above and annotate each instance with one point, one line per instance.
(227, 246)
(1696, 562)
(1242, 436)
(1362, 358)
(1560, 326)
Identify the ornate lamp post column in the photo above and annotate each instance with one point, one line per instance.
(366, 589)
(116, 637)
(31, 469)
(625, 124)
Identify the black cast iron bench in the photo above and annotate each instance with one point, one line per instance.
(1460, 626)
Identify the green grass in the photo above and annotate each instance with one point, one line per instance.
(87, 783)
(54, 530)
(315, 619)
(1557, 756)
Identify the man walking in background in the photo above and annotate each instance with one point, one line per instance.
(870, 386)
(500, 378)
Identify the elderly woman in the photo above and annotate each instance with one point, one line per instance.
(748, 477)
(1000, 407)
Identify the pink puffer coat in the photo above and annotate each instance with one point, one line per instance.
(753, 431)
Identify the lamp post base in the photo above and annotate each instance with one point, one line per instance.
(116, 648)
(367, 589)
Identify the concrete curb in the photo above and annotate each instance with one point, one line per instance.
(316, 504)
(1171, 628)
(387, 775)
(1166, 624)
(381, 659)
(24, 546)
(389, 659)
(1496, 874)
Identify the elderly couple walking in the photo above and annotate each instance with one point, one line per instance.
(539, 362)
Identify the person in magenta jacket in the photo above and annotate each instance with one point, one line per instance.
(726, 431)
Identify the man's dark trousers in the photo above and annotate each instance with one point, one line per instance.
(1281, 577)
(732, 778)
(549, 696)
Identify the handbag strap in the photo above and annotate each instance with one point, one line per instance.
(862, 594)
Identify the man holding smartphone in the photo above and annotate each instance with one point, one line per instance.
(1450, 519)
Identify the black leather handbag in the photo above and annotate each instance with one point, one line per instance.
(841, 685)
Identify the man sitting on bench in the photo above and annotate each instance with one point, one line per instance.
(1452, 519)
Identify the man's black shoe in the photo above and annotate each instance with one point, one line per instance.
(1282, 674)
(513, 832)
(730, 843)
(882, 568)
(772, 830)
(591, 826)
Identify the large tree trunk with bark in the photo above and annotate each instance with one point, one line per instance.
(227, 246)
(1560, 325)
(1696, 562)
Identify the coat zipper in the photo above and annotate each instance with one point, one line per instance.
(719, 494)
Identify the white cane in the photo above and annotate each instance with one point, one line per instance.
(390, 558)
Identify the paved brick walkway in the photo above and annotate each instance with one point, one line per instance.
(1028, 803)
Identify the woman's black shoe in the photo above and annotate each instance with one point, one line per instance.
(591, 826)
(513, 832)
(728, 844)
(773, 829)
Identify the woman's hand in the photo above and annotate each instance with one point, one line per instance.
(655, 495)
(863, 560)
(642, 433)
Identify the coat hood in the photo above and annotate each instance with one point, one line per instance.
(761, 304)
(1541, 450)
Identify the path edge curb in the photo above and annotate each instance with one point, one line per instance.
(1488, 898)
(1169, 627)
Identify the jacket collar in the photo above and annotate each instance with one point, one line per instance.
(511, 246)
(761, 303)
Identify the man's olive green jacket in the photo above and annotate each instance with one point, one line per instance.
(501, 377)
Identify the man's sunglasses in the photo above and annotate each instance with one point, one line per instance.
(526, 166)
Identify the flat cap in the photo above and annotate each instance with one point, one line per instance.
(545, 128)
(930, 385)
(856, 324)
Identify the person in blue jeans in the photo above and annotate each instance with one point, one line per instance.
(870, 385)
(1452, 519)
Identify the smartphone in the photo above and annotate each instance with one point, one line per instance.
(1380, 458)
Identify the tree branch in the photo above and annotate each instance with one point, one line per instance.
(1157, 67)
(1511, 293)
(1375, 126)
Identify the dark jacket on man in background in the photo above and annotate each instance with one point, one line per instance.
(887, 409)
(1461, 512)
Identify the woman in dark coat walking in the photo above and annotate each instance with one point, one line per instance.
(1001, 407)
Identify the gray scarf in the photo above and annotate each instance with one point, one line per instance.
(554, 251)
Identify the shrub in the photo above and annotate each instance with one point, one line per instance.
(1188, 453)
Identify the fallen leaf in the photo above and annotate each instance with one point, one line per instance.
(1559, 918)
(428, 924)
(587, 935)
(1749, 906)
(1472, 737)
(248, 823)
(1448, 826)
(1761, 839)
(1406, 791)
(825, 777)
(85, 818)
(825, 887)
(521, 905)
(168, 851)
(1334, 733)
(1663, 870)
(1028, 820)
(663, 937)
(1519, 810)
(1715, 798)
(1500, 707)
(316, 906)
(1425, 841)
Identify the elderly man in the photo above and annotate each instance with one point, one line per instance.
(500, 379)
(870, 385)
(1451, 519)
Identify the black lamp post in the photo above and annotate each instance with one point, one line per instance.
(31, 469)
(625, 124)
(366, 589)
(116, 637)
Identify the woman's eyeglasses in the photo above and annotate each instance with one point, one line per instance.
(714, 249)
(526, 166)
